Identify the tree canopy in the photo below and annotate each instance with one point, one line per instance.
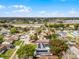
(52, 36)
(26, 50)
(13, 30)
(1, 38)
(76, 26)
(58, 46)
(34, 37)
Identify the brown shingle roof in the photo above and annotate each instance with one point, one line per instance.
(2, 46)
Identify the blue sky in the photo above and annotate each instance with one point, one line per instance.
(39, 8)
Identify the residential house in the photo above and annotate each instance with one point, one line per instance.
(76, 36)
(62, 34)
(3, 48)
(10, 38)
(25, 38)
(42, 47)
(4, 31)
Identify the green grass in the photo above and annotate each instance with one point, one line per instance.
(17, 42)
(7, 54)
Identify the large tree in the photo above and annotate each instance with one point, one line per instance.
(1, 38)
(52, 36)
(76, 26)
(58, 46)
(26, 51)
(13, 30)
(34, 37)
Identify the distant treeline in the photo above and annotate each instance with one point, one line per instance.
(34, 19)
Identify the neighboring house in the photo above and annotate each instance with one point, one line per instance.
(15, 37)
(4, 31)
(42, 47)
(10, 38)
(3, 48)
(25, 38)
(8, 45)
(5, 42)
(75, 33)
(71, 21)
(62, 34)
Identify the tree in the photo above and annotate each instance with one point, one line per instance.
(45, 24)
(56, 26)
(67, 25)
(61, 25)
(1, 38)
(34, 37)
(5, 25)
(13, 30)
(52, 36)
(51, 25)
(26, 29)
(76, 26)
(26, 51)
(57, 47)
(52, 30)
(38, 30)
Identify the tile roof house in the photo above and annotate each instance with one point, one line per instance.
(4, 31)
(25, 38)
(10, 38)
(3, 48)
(62, 34)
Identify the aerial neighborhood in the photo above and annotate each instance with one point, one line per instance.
(45, 40)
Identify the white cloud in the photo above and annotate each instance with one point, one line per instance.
(73, 12)
(57, 14)
(18, 6)
(1, 6)
(16, 10)
(42, 12)
(50, 14)
(21, 9)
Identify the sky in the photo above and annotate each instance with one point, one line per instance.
(39, 8)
